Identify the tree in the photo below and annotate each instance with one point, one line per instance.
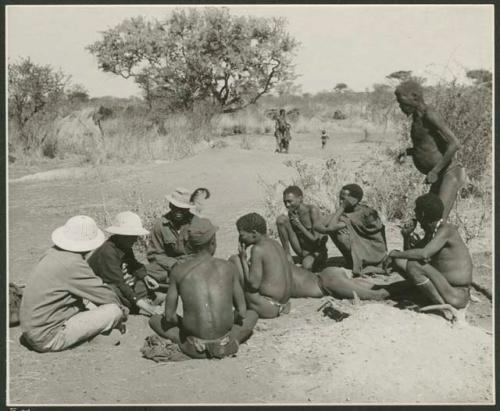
(77, 93)
(401, 75)
(480, 76)
(31, 88)
(196, 55)
(340, 87)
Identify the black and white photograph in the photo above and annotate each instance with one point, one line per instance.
(249, 204)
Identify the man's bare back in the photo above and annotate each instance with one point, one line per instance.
(453, 260)
(206, 289)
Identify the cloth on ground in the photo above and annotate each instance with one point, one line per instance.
(161, 350)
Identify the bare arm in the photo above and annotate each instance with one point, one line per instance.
(171, 300)
(255, 273)
(238, 296)
(333, 223)
(452, 143)
(431, 248)
(315, 217)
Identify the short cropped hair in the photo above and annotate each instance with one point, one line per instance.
(431, 206)
(295, 190)
(410, 88)
(354, 190)
(252, 221)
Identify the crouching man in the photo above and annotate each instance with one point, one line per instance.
(209, 289)
(53, 315)
(439, 265)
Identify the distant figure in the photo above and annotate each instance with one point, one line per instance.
(296, 230)
(434, 145)
(282, 133)
(439, 265)
(198, 199)
(324, 138)
(209, 289)
(267, 276)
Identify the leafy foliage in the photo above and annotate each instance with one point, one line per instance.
(195, 55)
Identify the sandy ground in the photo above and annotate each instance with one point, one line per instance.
(379, 354)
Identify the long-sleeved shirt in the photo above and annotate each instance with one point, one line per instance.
(167, 245)
(108, 262)
(55, 290)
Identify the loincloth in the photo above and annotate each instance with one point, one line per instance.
(456, 169)
(282, 308)
(216, 348)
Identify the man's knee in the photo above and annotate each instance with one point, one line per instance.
(111, 311)
(282, 220)
(155, 322)
(457, 299)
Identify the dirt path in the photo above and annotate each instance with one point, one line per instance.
(378, 354)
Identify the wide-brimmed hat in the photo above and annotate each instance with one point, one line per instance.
(127, 223)
(200, 231)
(79, 234)
(180, 198)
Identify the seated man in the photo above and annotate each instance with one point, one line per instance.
(208, 288)
(297, 230)
(168, 243)
(357, 231)
(440, 264)
(53, 316)
(267, 278)
(115, 263)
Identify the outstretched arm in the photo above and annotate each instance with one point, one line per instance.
(452, 143)
(424, 254)
(333, 223)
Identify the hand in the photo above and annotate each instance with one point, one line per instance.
(295, 220)
(431, 177)
(151, 283)
(402, 156)
(129, 279)
(387, 262)
(408, 227)
(125, 312)
(242, 252)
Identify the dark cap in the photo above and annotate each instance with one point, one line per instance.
(201, 231)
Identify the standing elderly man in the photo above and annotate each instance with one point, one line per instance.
(53, 315)
(168, 244)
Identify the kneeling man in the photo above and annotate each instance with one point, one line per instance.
(208, 288)
(440, 264)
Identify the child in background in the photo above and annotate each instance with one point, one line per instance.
(198, 199)
(324, 138)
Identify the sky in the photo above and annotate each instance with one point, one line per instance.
(357, 45)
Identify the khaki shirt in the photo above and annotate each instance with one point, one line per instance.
(55, 290)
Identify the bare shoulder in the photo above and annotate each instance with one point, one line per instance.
(431, 115)
(448, 230)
